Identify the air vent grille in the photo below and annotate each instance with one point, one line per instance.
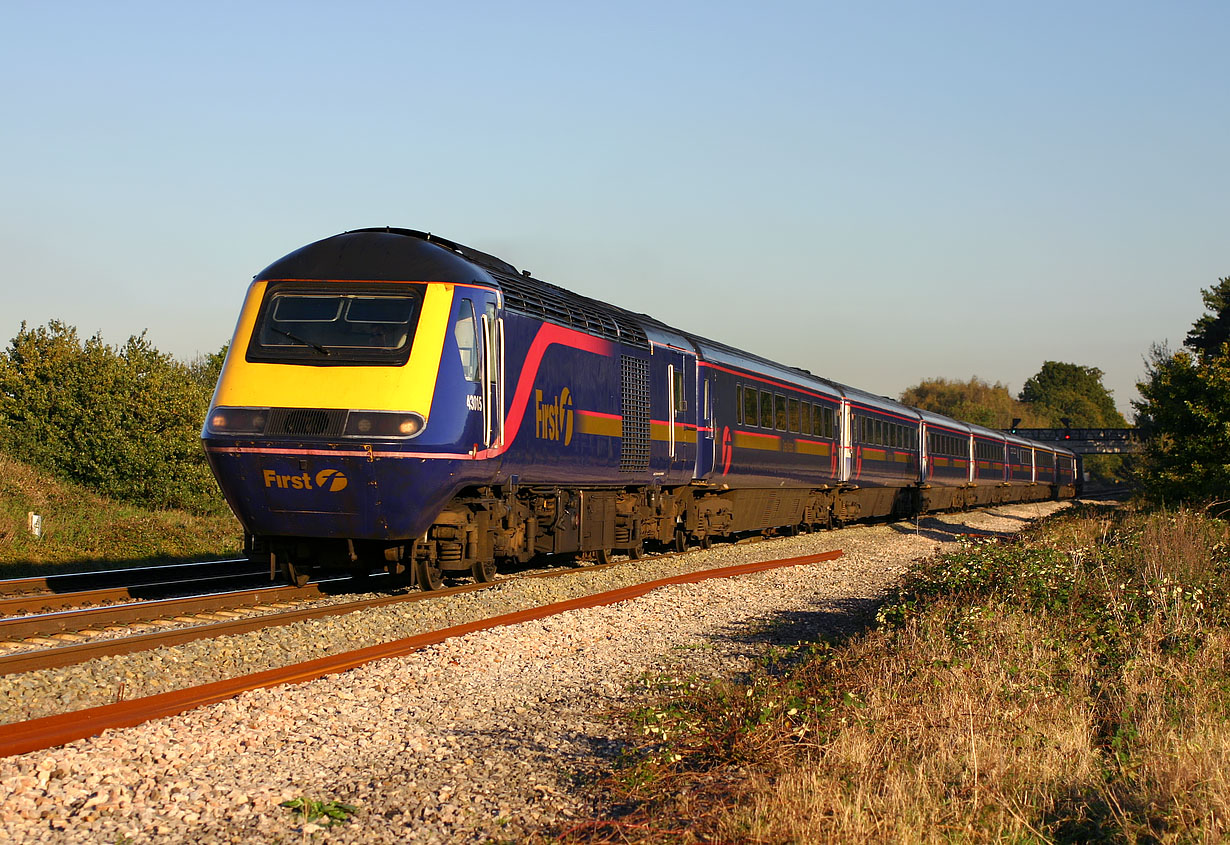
(538, 299)
(310, 422)
(634, 448)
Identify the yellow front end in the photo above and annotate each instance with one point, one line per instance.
(246, 383)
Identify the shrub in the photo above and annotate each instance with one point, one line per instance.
(123, 421)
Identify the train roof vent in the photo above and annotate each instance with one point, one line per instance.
(536, 298)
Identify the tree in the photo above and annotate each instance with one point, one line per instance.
(122, 421)
(974, 401)
(1212, 329)
(1062, 391)
(1184, 413)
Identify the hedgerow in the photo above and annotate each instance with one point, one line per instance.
(123, 421)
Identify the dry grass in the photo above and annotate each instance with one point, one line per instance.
(1072, 688)
(83, 530)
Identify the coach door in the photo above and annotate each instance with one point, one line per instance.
(680, 412)
(493, 377)
(846, 430)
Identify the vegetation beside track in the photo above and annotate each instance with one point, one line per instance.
(1071, 685)
(85, 531)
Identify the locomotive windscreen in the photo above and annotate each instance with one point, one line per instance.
(302, 324)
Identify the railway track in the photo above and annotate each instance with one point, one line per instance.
(72, 635)
(46, 732)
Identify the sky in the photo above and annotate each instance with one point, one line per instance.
(880, 192)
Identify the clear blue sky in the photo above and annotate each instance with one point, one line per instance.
(880, 192)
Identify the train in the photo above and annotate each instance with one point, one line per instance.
(393, 400)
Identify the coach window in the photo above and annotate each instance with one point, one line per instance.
(794, 415)
(780, 403)
(739, 404)
(766, 409)
(467, 338)
(805, 423)
(751, 413)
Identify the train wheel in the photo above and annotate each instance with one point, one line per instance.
(681, 540)
(636, 552)
(429, 575)
(602, 556)
(483, 571)
(706, 542)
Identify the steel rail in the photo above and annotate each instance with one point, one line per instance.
(51, 731)
(77, 581)
(87, 618)
(34, 603)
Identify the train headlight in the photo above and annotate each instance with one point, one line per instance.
(383, 424)
(237, 420)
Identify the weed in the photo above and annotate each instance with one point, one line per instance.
(316, 812)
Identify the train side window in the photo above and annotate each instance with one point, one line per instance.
(739, 404)
(751, 413)
(766, 409)
(681, 402)
(818, 417)
(780, 402)
(466, 333)
(794, 415)
(805, 423)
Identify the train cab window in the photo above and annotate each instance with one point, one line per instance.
(780, 407)
(794, 414)
(805, 422)
(766, 409)
(466, 333)
(311, 322)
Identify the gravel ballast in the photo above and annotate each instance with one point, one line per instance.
(482, 737)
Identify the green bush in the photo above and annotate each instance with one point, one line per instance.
(123, 421)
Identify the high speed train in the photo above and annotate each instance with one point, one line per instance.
(394, 400)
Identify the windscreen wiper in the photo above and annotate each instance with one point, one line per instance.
(298, 339)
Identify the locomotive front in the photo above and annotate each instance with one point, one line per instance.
(350, 407)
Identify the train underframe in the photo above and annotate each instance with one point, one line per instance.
(493, 526)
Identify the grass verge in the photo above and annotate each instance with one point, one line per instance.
(1070, 685)
(84, 531)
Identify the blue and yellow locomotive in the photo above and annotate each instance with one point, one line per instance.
(395, 400)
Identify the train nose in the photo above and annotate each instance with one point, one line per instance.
(331, 494)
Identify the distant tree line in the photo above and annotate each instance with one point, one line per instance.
(1058, 395)
(122, 420)
(1184, 411)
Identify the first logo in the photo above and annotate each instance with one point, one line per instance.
(333, 480)
(329, 480)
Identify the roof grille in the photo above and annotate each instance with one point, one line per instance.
(538, 299)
